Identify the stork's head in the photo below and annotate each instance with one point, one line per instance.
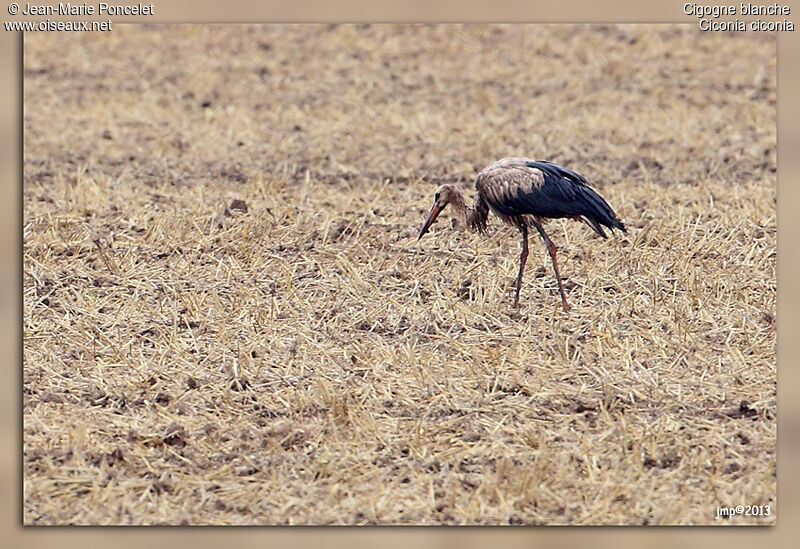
(444, 195)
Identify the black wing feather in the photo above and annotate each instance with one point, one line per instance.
(563, 193)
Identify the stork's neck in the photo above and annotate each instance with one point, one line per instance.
(474, 216)
(458, 204)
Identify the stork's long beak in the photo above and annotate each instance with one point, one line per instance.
(435, 211)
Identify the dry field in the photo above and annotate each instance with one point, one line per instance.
(228, 318)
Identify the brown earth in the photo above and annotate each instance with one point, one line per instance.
(228, 318)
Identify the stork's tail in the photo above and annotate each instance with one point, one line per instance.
(597, 212)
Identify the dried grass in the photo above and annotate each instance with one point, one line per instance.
(306, 361)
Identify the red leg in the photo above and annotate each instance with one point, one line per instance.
(522, 258)
(551, 248)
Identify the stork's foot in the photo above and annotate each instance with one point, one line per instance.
(566, 306)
